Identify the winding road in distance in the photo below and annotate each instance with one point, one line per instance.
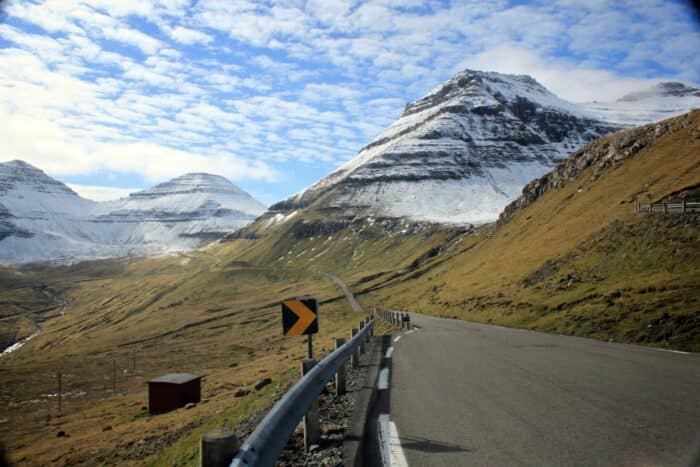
(467, 394)
(354, 304)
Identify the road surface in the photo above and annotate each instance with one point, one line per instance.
(468, 394)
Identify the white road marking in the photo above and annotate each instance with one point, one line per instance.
(673, 351)
(390, 444)
(383, 382)
(388, 353)
(412, 330)
(396, 339)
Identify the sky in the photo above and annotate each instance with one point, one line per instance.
(111, 96)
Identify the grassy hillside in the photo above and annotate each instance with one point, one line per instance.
(193, 313)
(579, 260)
(572, 257)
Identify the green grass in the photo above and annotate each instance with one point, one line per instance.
(186, 451)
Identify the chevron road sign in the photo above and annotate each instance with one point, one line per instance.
(299, 316)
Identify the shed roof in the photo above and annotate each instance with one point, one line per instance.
(176, 378)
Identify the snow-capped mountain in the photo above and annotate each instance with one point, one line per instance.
(41, 218)
(195, 205)
(649, 105)
(460, 154)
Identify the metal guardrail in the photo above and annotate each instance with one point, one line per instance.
(395, 318)
(666, 207)
(264, 445)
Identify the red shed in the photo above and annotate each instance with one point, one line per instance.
(172, 391)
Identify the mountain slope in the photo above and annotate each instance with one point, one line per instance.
(466, 149)
(572, 256)
(42, 219)
(459, 154)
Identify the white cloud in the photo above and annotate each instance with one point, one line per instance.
(101, 193)
(133, 37)
(189, 36)
(576, 84)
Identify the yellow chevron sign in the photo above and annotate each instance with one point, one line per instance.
(299, 316)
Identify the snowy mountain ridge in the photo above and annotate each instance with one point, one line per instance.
(466, 149)
(662, 101)
(43, 219)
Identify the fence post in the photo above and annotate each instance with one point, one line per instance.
(218, 447)
(312, 426)
(340, 375)
(362, 341)
(355, 359)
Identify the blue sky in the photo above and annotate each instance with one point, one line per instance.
(113, 95)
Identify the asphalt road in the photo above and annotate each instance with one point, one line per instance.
(467, 394)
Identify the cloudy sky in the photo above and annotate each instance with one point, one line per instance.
(114, 95)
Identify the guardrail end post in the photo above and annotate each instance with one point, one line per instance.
(218, 447)
(312, 425)
(355, 359)
(340, 375)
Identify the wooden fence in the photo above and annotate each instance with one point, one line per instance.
(669, 207)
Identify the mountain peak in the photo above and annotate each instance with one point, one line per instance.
(458, 154)
(194, 182)
(18, 173)
(487, 87)
(663, 89)
(20, 165)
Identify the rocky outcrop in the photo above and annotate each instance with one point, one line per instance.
(599, 155)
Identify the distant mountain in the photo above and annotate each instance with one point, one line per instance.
(195, 205)
(461, 153)
(649, 105)
(43, 219)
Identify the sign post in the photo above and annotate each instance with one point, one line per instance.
(299, 318)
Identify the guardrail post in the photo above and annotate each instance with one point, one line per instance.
(665, 208)
(367, 335)
(312, 426)
(340, 374)
(355, 359)
(217, 448)
(362, 341)
(682, 205)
